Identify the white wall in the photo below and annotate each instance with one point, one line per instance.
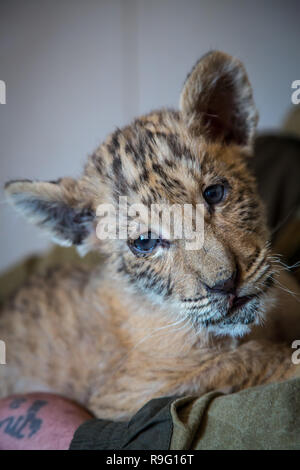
(76, 69)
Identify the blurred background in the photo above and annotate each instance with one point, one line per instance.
(76, 69)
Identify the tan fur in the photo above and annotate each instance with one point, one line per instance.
(139, 327)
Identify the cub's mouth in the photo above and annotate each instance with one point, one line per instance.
(230, 315)
(236, 321)
(238, 302)
(242, 310)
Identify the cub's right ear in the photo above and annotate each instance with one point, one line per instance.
(61, 208)
(217, 101)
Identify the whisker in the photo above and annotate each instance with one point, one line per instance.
(125, 357)
(285, 289)
(156, 330)
(276, 259)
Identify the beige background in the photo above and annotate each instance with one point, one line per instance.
(76, 69)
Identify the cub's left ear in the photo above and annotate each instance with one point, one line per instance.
(58, 207)
(217, 100)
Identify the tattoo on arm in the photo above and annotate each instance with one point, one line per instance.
(17, 402)
(24, 425)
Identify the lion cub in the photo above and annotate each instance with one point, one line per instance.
(156, 318)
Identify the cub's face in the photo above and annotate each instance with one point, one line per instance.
(208, 260)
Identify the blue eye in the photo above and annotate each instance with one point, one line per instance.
(214, 194)
(146, 243)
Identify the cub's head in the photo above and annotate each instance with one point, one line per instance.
(193, 159)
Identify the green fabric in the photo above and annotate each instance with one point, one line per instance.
(187, 413)
(259, 418)
(151, 428)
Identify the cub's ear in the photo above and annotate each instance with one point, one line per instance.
(217, 101)
(59, 207)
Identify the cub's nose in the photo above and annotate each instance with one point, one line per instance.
(225, 286)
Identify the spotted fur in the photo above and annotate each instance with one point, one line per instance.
(145, 325)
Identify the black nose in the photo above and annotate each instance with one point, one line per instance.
(226, 286)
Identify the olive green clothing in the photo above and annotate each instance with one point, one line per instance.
(265, 418)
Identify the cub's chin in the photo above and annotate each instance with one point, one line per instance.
(235, 331)
(239, 321)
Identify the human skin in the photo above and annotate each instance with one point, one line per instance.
(39, 421)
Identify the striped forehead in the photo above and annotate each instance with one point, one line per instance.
(156, 160)
(153, 162)
(160, 173)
